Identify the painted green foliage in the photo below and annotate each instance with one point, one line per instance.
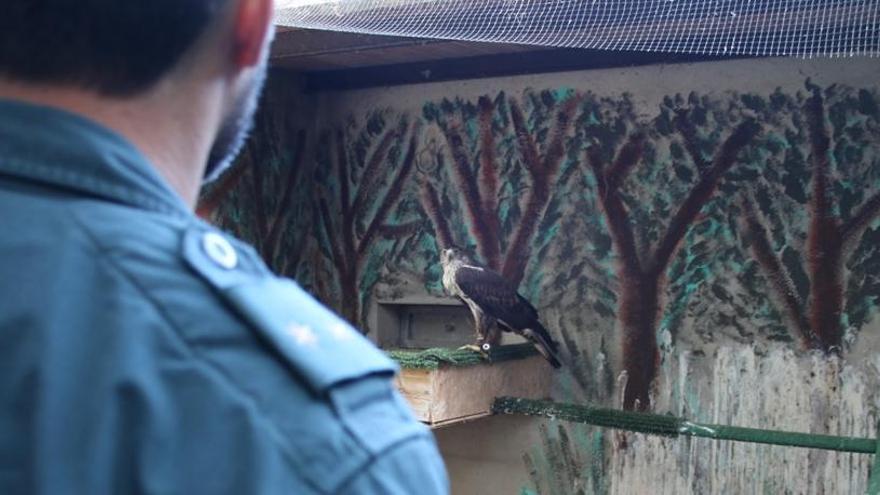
(652, 181)
(808, 217)
(493, 175)
(363, 218)
(578, 196)
(569, 461)
(717, 288)
(263, 197)
(699, 288)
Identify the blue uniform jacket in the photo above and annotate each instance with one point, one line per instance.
(143, 351)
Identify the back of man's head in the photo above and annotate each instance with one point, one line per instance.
(113, 47)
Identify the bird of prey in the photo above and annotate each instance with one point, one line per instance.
(492, 299)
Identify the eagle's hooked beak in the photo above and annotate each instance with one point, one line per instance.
(446, 255)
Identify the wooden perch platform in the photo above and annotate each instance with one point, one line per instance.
(450, 386)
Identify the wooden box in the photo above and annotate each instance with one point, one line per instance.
(449, 386)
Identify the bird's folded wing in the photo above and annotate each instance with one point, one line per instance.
(494, 294)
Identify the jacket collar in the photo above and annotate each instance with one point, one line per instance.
(61, 149)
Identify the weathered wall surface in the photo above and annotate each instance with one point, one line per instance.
(701, 239)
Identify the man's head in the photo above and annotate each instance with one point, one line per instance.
(120, 49)
(115, 48)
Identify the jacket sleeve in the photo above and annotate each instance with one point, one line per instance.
(410, 467)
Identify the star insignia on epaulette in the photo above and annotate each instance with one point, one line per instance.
(302, 334)
(341, 332)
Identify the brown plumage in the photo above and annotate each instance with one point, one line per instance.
(491, 298)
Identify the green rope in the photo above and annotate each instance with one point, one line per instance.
(434, 358)
(658, 424)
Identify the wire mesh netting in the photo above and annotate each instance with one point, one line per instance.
(800, 28)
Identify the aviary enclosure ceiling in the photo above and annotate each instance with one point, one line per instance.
(701, 239)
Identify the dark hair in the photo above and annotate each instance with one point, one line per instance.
(116, 47)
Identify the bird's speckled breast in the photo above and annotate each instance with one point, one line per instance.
(449, 283)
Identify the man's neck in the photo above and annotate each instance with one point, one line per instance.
(166, 124)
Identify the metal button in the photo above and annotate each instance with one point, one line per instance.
(219, 250)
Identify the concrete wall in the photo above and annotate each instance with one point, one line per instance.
(486, 456)
(581, 187)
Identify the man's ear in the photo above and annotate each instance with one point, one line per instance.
(251, 25)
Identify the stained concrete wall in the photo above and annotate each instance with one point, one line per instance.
(486, 456)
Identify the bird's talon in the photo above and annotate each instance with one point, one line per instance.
(481, 349)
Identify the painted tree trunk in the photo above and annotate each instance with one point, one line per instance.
(824, 238)
(826, 294)
(639, 306)
(352, 233)
(351, 301)
(517, 256)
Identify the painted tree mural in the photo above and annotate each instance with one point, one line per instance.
(360, 178)
(569, 461)
(503, 167)
(642, 237)
(682, 240)
(262, 197)
(643, 258)
(823, 179)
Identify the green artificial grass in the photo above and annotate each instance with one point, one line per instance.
(439, 356)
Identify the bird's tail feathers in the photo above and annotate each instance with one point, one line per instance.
(544, 343)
